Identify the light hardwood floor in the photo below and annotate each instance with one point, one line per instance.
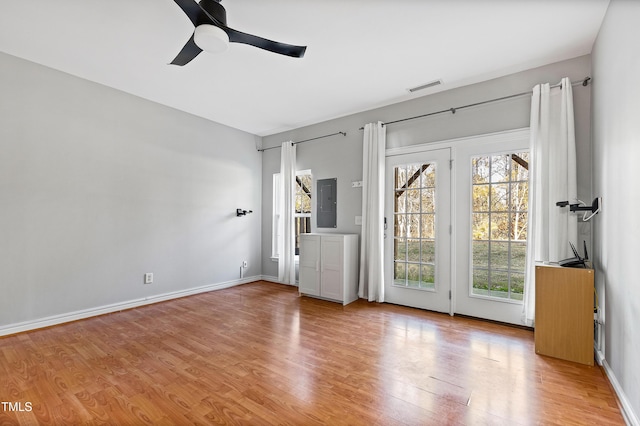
(260, 354)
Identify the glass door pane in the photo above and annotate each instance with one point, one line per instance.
(500, 195)
(414, 222)
(418, 244)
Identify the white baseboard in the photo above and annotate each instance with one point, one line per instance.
(272, 279)
(630, 417)
(115, 307)
(269, 278)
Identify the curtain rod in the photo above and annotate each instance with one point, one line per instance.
(306, 140)
(584, 82)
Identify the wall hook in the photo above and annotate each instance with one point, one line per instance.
(240, 212)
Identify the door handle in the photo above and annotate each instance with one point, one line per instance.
(384, 234)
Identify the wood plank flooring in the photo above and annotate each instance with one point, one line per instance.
(259, 354)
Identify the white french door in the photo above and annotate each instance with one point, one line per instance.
(418, 239)
(491, 199)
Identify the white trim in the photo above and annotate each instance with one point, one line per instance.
(496, 137)
(274, 280)
(270, 279)
(115, 307)
(626, 409)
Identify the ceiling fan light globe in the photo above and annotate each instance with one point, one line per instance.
(211, 38)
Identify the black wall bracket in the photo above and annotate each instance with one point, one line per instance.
(594, 208)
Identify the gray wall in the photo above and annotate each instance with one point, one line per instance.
(341, 157)
(616, 148)
(98, 187)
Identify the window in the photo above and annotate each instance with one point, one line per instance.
(302, 214)
(303, 206)
(500, 196)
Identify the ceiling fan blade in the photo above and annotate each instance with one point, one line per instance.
(194, 12)
(188, 52)
(236, 36)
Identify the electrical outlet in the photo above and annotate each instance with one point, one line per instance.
(148, 278)
(245, 264)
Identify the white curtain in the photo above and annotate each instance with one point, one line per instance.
(552, 178)
(371, 284)
(286, 234)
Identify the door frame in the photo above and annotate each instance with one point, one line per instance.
(455, 144)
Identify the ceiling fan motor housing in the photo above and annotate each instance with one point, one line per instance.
(215, 9)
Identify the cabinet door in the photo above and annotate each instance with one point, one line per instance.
(332, 267)
(309, 266)
(564, 313)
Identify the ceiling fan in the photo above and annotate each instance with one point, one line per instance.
(211, 33)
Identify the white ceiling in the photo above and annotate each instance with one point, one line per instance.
(361, 54)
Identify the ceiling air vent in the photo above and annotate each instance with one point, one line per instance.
(425, 86)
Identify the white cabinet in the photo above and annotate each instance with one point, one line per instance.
(328, 266)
